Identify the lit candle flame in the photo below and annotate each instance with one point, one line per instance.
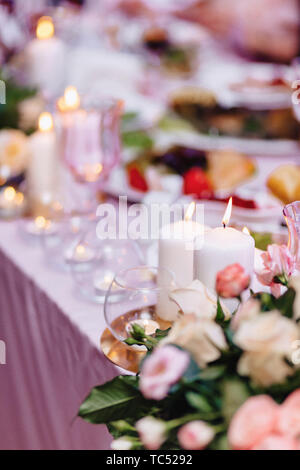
(80, 250)
(9, 193)
(246, 231)
(71, 98)
(40, 222)
(190, 211)
(45, 122)
(227, 214)
(45, 28)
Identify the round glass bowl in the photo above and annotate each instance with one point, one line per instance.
(143, 293)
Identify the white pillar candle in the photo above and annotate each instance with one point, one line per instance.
(42, 172)
(176, 254)
(222, 247)
(45, 59)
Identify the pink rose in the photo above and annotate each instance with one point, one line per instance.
(232, 281)
(277, 261)
(277, 442)
(255, 420)
(161, 370)
(195, 435)
(152, 432)
(289, 415)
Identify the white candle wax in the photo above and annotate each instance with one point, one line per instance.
(42, 172)
(45, 60)
(223, 247)
(176, 254)
(176, 249)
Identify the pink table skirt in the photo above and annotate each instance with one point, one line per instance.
(51, 363)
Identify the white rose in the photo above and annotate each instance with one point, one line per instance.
(123, 443)
(267, 340)
(152, 432)
(197, 299)
(202, 338)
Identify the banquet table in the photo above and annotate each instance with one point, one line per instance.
(53, 357)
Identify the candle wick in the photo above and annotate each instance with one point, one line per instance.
(224, 225)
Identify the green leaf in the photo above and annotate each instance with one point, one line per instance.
(212, 373)
(137, 139)
(285, 303)
(235, 393)
(198, 402)
(220, 317)
(112, 401)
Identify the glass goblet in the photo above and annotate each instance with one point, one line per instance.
(91, 147)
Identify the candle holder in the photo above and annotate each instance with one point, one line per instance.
(64, 247)
(140, 290)
(111, 256)
(291, 214)
(12, 203)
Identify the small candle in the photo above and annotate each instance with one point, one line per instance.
(222, 247)
(40, 226)
(81, 254)
(42, 172)
(45, 58)
(70, 101)
(150, 326)
(102, 284)
(11, 202)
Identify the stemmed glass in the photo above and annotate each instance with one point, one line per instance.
(91, 148)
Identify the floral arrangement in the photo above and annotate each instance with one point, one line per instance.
(214, 380)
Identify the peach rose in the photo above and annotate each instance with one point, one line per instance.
(277, 442)
(232, 281)
(254, 421)
(277, 261)
(162, 369)
(195, 435)
(289, 416)
(202, 338)
(246, 311)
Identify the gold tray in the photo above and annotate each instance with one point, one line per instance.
(119, 354)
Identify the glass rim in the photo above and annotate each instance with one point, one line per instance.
(123, 285)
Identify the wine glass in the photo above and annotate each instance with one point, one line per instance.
(91, 148)
(143, 297)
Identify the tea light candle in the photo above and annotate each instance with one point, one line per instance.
(40, 226)
(42, 172)
(150, 326)
(102, 284)
(70, 101)
(222, 247)
(45, 58)
(81, 254)
(12, 202)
